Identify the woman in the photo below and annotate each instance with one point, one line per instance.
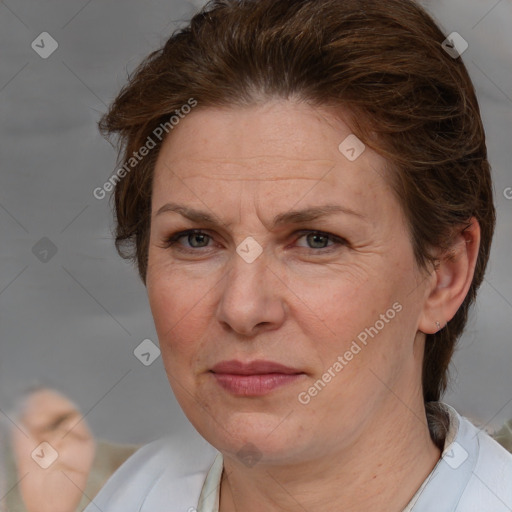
(312, 373)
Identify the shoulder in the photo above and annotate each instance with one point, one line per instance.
(490, 485)
(168, 471)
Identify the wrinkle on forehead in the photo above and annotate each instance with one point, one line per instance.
(229, 177)
(263, 158)
(259, 168)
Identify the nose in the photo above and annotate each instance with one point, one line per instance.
(252, 297)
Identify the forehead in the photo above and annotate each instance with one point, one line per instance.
(273, 147)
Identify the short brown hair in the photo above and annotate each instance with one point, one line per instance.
(408, 100)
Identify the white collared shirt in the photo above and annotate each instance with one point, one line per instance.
(473, 475)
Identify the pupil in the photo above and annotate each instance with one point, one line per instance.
(316, 236)
(196, 236)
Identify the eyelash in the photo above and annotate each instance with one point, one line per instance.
(174, 238)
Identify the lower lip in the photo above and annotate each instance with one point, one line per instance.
(254, 385)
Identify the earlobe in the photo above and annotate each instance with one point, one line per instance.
(451, 278)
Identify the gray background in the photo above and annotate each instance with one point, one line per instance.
(73, 322)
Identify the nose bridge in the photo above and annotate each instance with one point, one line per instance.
(248, 296)
(245, 281)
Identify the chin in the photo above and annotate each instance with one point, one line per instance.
(251, 438)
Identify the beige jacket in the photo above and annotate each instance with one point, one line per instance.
(108, 458)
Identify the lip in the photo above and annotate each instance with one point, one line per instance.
(257, 367)
(256, 378)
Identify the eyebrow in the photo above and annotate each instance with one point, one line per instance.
(290, 217)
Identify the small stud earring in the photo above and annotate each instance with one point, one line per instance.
(438, 325)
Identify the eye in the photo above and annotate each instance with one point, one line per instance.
(319, 239)
(197, 239)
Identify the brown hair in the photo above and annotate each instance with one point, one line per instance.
(383, 61)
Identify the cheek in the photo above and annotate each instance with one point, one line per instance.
(168, 307)
(361, 323)
(340, 308)
(163, 304)
(181, 316)
(169, 293)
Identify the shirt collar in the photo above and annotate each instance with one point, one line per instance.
(210, 493)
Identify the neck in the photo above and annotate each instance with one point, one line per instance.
(389, 461)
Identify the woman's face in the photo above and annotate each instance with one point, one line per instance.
(337, 297)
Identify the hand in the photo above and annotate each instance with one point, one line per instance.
(48, 416)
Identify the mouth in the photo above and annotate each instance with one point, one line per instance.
(257, 367)
(255, 378)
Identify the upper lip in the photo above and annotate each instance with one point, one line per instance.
(258, 367)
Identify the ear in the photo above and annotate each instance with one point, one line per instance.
(451, 280)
